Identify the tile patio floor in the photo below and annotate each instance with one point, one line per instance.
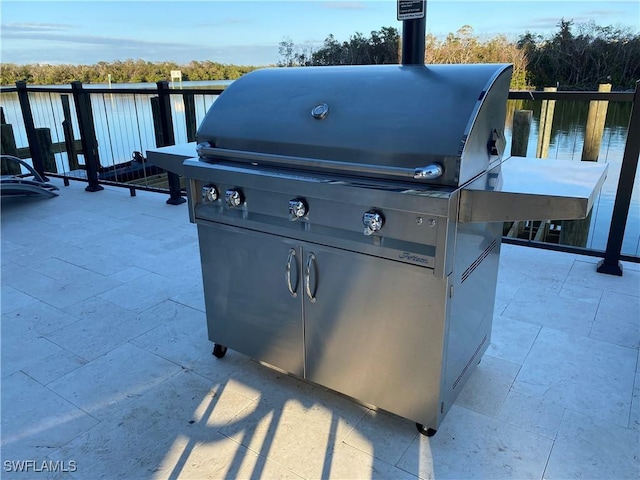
(107, 370)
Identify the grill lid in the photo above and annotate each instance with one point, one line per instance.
(382, 120)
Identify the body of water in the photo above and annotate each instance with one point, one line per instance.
(124, 124)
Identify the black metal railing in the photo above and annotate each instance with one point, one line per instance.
(104, 143)
(105, 132)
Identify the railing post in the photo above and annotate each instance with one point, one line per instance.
(545, 124)
(32, 137)
(595, 126)
(8, 147)
(45, 144)
(84, 112)
(190, 115)
(67, 129)
(520, 132)
(166, 127)
(611, 262)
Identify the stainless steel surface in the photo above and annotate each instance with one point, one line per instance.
(335, 209)
(297, 209)
(444, 114)
(171, 158)
(249, 305)
(533, 189)
(430, 172)
(290, 260)
(311, 262)
(310, 164)
(320, 111)
(376, 333)
(373, 222)
(373, 318)
(397, 317)
(233, 198)
(209, 193)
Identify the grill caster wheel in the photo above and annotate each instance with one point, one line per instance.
(219, 351)
(427, 432)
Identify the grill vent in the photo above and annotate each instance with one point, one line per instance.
(478, 261)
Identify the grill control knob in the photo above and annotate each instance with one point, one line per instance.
(209, 193)
(233, 198)
(297, 209)
(373, 222)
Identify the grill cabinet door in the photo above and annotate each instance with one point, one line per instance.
(250, 307)
(374, 330)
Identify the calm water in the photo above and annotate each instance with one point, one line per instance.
(124, 125)
(567, 138)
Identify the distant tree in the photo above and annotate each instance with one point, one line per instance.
(331, 53)
(575, 57)
(294, 55)
(127, 71)
(582, 56)
(464, 47)
(379, 48)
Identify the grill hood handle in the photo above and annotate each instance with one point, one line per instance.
(429, 172)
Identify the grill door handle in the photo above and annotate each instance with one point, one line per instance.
(291, 258)
(311, 261)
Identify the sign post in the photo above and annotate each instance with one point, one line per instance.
(176, 75)
(411, 9)
(412, 14)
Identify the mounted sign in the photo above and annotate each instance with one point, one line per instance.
(411, 9)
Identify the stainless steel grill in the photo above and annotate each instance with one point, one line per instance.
(350, 218)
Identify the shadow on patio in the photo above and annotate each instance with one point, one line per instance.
(106, 364)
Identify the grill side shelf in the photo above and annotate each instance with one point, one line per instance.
(171, 158)
(532, 189)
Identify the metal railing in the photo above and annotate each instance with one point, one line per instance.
(104, 140)
(93, 144)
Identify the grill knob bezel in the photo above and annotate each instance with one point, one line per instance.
(298, 209)
(210, 193)
(373, 222)
(233, 198)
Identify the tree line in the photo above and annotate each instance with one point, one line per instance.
(573, 57)
(128, 71)
(384, 47)
(577, 57)
(582, 56)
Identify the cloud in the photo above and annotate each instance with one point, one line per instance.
(240, 54)
(54, 43)
(33, 27)
(603, 13)
(92, 50)
(550, 23)
(223, 23)
(51, 32)
(110, 42)
(344, 5)
(543, 22)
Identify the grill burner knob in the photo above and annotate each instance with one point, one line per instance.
(373, 222)
(233, 198)
(297, 209)
(209, 193)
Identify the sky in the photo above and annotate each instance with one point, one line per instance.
(245, 32)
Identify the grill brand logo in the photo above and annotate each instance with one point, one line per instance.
(413, 258)
(39, 466)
